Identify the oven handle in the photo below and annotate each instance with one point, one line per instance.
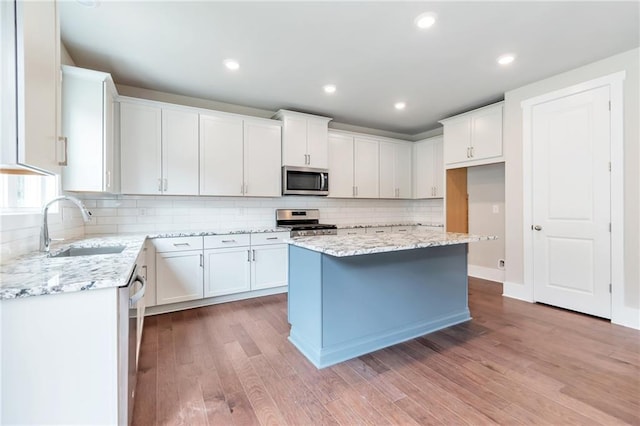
(133, 300)
(322, 182)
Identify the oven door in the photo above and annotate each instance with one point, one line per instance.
(304, 181)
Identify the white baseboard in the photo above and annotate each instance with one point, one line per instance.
(485, 273)
(625, 316)
(517, 291)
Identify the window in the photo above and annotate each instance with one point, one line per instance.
(26, 193)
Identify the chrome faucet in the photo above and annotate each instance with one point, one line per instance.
(45, 240)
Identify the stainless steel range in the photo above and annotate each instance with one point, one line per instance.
(303, 222)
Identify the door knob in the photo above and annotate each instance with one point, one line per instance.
(538, 228)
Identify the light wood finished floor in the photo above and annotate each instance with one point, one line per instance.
(514, 363)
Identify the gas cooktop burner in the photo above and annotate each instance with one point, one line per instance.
(303, 222)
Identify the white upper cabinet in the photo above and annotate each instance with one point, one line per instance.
(159, 150)
(221, 155)
(88, 125)
(474, 138)
(31, 82)
(395, 169)
(262, 158)
(341, 166)
(428, 168)
(179, 152)
(365, 167)
(140, 148)
(304, 139)
(239, 157)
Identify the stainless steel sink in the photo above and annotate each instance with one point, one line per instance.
(89, 251)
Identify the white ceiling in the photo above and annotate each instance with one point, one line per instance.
(371, 51)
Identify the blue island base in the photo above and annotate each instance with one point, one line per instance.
(344, 307)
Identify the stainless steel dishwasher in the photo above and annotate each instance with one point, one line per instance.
(134, 293)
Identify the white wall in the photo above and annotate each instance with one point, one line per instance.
(145, 214)
(485, 186)
(629, 63)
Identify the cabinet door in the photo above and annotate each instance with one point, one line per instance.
(294, 142)
(424, 169)
(108, 152)
(179, 152)
(179, 276)
(38, 80)
(269, 266)
(82, 125)
(221, 155)
(387, 170)
(438, 168)
(457, 140)
(486, 133)
(366, 167)
(140, 148)
(227, 271)
(402, 170)
(262, 159)
(341, 166)
(317, 143)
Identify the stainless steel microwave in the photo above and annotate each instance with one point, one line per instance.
(304, 181)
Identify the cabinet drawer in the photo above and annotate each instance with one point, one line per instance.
(163, 245)
(226, 240)
(351, 231)
(268, 238)
(403, 229)
(379, 230)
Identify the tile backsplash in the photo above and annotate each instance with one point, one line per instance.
(126, 214)
(116, 214)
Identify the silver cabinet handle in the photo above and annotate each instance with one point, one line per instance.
(538, 228)
(228, 241)
(254, 255)
(109, 179)
(181, 244)
(472, 152)
(248, 255)
(166, 184)
(379, 232)
(272, 238)
(468, 152)
(246, 189)
(202, 260)
(159, 185)
(66, 151)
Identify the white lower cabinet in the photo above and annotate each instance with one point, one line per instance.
(269, 266)
(179, 269)
(228, 271)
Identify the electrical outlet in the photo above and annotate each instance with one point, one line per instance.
(501, 264)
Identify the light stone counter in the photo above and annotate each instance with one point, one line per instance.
(354, 245)
(382, 225)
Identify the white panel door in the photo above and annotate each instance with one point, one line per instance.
(402, 170)
(179, 276)
(571, 202)
(341, 166)
(179, 152)
(227, 271)
(294, 142)
(270, 266)
(140, 148)
(317, 143)
(262, 159)
(366, 167)
(221, 155)
(387, 170)
(486, 131)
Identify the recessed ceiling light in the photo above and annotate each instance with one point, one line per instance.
(506, 59)
(329, 88)
(400, 105)
(231, 64)
(425, 20)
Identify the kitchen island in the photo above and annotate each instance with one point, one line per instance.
(351, 295)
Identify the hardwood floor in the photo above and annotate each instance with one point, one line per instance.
(514, 363)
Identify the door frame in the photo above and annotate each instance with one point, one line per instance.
(619, 313)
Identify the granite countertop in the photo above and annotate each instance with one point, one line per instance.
(354, 245)
(35, 274)
(381, 225)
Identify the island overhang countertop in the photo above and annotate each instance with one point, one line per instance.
(355, 245)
